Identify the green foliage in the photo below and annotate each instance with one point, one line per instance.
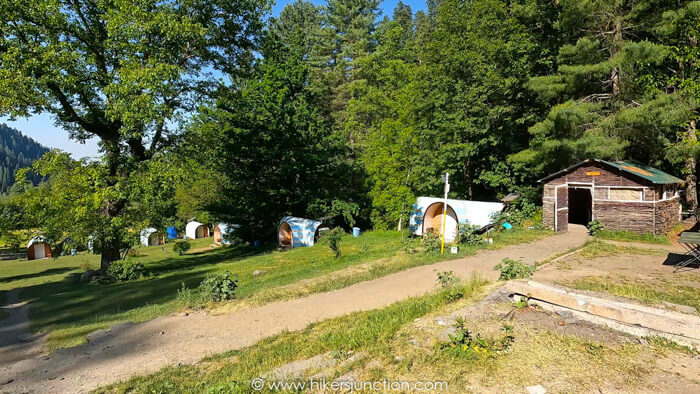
(594, 227)
(446, 279)
(431, 243)
(514, 269)
(220, 286)
(521, 214)
(468, 235)
(333, 238)
(123, 270)
(16, 151)
(181, 247)
(463, 343)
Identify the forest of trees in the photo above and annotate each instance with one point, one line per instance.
(16, 151)
(338, 110)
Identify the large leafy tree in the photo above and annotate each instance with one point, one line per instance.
(625, 87)
(271, 143)
(124, 71)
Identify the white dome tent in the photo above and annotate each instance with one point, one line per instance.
(426, 215)
(195, 229)
(150, 236)
(39, 248)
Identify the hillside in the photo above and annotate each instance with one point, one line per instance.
(16, 151)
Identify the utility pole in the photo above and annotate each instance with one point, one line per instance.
(445, 178)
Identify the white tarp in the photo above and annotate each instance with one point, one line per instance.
(191, 230)
(477, 213)
(146, 235)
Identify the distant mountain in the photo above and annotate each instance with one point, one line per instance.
(16, 151)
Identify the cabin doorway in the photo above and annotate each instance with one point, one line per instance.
(580, 205)
(432, 221)
(285, 235)
(39, 251)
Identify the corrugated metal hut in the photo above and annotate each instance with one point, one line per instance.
(196, 230)
(150, 236)
(427, 212)
(38, 248)
(223, 233)
(295, 232)
(622, 195)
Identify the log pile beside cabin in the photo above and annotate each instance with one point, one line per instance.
(622, 195)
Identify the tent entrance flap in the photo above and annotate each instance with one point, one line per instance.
(285, 235)
(432, 221)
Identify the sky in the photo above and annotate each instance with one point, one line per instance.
(42, 129)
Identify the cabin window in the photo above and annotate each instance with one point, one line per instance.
(626, 194)
(670, 193)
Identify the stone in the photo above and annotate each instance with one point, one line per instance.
(680, 308)
(535, 389)
(88, 275)
(258, 272)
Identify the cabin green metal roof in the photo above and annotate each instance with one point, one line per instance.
(637, 169)
(649, 173)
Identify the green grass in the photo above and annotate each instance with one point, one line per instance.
(69, 311)
(629, 236)
(597, 248)
(641, 291)
(370, 332)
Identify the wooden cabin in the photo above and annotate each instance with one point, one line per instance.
(39, 248)
(622, 195)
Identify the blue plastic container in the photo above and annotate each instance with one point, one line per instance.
(355, 232)
(507, 226)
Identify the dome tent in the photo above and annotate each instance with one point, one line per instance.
(294, 232)
(38, 248)
(223, 233)
(195, 229)
(426, 215)
(150, 236)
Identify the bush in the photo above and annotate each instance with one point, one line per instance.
(468, 235)
(123, 270)
(594, 227)
(446, 279)
(521, 214)
(220, 286)
(465, 344)
(431, 242)
(513, 269)
(181, 247)
(192, 298)
(334, 237)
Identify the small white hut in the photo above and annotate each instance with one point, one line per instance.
(150, 236)
(427, 213)
(196, 230)
(38, 248)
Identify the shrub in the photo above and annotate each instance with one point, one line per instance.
(181, 247)
(594, 227)
(446, 279)
(513, 269)
(468, 235)
(431, 242)
(465, 344)
(192, 298)
(334, 237)
(407, 245)
(521, 214)
(123, 270)
(220, 286)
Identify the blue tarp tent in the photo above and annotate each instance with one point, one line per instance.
(294, 232)
(172, 232)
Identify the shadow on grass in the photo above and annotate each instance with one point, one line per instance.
(51, 271)
(682, 261)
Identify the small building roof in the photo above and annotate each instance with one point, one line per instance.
(648, 173)
(39, 239)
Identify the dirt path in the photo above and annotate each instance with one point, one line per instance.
(127, 350)
(15, 337)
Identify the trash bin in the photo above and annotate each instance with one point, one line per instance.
(355, 232)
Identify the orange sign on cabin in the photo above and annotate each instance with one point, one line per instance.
(593, 173)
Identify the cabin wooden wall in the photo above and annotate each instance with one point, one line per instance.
(653, 214)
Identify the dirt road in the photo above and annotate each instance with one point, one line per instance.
(135, 349)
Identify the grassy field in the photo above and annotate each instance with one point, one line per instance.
(69, 310)
(399, 342)
(629, 236)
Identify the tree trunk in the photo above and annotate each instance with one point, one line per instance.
(691, 191)
(111, 242)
